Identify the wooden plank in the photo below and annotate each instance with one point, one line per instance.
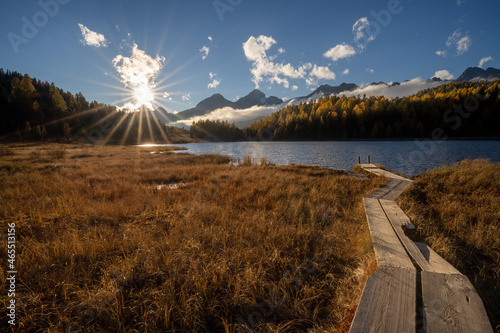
(398, 190)
(452, 305)
(388, 302)
(388, 249)
(436, 263)
(397, 218)
(396, 215)
(379, 172)
(425, 257)
(385, 189)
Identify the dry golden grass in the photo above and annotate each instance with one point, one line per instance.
(456, 210)
(102, 246)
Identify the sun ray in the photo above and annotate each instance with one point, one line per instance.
(129, 127)
(148, 122)
(161, 128)
(139, 130)
(115, 128)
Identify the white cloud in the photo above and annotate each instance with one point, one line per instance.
(310, 81)
(210, 38)
(444, 75)
(339, 52)
(205, 50)
(92, 38)
(463, 45)
(186, 97)
(370, 70)
(294, 88)
(362, 33)
(138, 72)
(460, 42)
(166, 95)
(453, 38)
(256, 48)
(346, 71)
(264, 67)
(441, 53)
(232, 115)
(484, 60)
(321, 72)
(215, 83)
(405, 89)
(358, 29)
(460, 2)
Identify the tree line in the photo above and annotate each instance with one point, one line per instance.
(34, 110)
(460, 109)
(216, 130)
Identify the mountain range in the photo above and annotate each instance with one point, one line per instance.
(258, 98)
(478, 74)
(217, 101)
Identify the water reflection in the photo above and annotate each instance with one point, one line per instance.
(408, 157)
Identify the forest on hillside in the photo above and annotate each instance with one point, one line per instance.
(34, 110)
(460, 109)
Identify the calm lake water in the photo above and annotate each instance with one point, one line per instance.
(408, 157)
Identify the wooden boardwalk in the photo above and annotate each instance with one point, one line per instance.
(445, 299)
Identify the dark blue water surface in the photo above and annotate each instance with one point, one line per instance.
(408, 157)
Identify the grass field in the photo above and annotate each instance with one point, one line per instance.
(456, 210)
(133, 239)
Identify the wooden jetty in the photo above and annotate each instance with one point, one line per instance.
(413, 288)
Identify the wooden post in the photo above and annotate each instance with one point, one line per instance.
(359, 159)
(368, 159)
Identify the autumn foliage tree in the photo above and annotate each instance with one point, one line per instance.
(462, 109)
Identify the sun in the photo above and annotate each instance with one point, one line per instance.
(144, 95)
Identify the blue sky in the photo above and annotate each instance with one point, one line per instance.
(179, 52)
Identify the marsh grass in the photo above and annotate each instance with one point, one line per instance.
(56, 153)
(456, 210)
(235, 249)
(6, 151)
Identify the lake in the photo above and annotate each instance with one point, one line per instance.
(408, 157)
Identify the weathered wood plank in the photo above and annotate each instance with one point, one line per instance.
(388, 249)
(385, 189)
(398, 190)
(388, 302)
(436, 263)
(429, 262)
(450, 302)
(396, 215)
(452, 305)
(379, 172)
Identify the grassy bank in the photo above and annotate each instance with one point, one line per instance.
(141, 239)
(456, 210)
